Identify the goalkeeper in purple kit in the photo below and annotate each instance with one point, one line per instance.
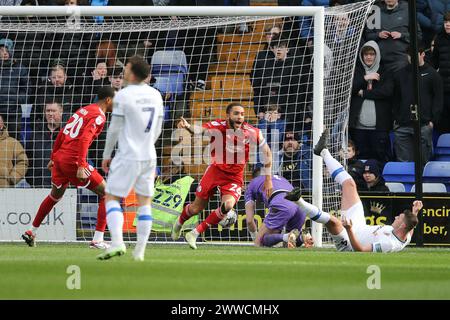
(282, 214)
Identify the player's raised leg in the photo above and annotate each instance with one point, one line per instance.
(44, 209)
(333, 224)
(350, 195)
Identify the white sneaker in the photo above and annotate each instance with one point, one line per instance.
(99, 245)
(176, 230)
(191, 238)
(200, 85)
(120, 250)
(139, 253)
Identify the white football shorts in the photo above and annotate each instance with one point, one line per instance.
(125, 174)
(356, 214)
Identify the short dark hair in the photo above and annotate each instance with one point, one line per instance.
(410, 220)
(447, 16)
(256, 172)
(115, 71)
(410, 50)
(279, 42)
(232, 105)
(139, 67)
(272, 107)
(366, 49)
(105, 92)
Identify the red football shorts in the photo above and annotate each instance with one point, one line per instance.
(65, 173)
(226, 183)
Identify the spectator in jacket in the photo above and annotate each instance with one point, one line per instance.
(370, 108)
(277, 78)
(441, 61)
(430, 14)
(13, 159)
(296, 163)
(393, 36)
(373, 178)
(273, 127)
(355, 165)
(431, 96)
(13, 86)
(306, 28)
(57, 87)
(40, 147)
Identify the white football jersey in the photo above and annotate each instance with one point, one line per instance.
(143, 112)
(381, 238)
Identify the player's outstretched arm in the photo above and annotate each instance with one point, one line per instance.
(184, 124)
(416, 207)
(356, 245)
(267, 170)
(249, 217)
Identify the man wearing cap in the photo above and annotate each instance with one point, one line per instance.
(373, 178)
(13, 86)
(295, 163)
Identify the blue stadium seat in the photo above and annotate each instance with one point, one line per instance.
(169, 68)
(442, 150)
(431, 187)
(396, 186)
(437, 171)
(400, 172)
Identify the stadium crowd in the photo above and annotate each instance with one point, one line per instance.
(45, 77)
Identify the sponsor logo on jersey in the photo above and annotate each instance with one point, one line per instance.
(99, 120)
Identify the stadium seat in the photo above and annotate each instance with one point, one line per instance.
(431, 187)
(437, 171)
(169, 68)
(442, 150)
(400, 172)
(395, 186)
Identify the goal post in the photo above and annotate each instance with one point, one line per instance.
(320, 73)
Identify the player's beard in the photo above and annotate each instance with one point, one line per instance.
(233, 125)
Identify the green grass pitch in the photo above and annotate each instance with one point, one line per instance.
(222, 272)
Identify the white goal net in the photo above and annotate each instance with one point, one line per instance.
(52, 64)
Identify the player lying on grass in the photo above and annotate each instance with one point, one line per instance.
(352, 234)
(282, 213)
(230, 145)
(68, 164)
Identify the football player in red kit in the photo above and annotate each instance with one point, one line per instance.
(231, 140)
(69, 165)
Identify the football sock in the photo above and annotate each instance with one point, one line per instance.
(101, 216)
(98, 236)
(114, 217)
(335, 169)
(144, 225)
(44, 209)
(269, 240)
(314, 213)
(185, 215)
(214, 218)
(253, 234)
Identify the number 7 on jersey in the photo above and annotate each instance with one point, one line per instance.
(150, 121)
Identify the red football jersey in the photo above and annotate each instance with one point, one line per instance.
(73, 141)
(230, 149)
